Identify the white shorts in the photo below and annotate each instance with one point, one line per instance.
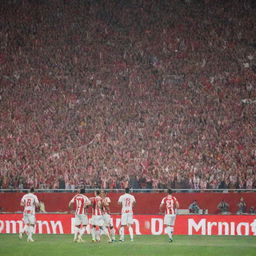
(81, 219)
(108, 221)
(169, 219)
(97, 220)
(29, 219)
(127, 219)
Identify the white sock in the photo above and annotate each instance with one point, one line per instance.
(101, 231)
(82, 231)
(98, 234)
(172, 229)
(24, 229)
(30, 231)
(105, 229)
(76, 232)
(131, 232)
(113, 232)
(169, 231)
(93, 233)
(121, 231)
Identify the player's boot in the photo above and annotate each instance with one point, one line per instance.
(170, 240)
(30, 240)
(80, 240)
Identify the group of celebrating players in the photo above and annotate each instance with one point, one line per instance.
(101, 221)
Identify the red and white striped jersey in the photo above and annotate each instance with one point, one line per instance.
(96, 205)
(30, 202)
(127, 201)
(80, 201)
(105, 205)
(169, 202)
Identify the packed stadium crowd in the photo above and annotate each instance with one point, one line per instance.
(110, 94)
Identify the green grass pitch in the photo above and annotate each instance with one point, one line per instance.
(63, 245)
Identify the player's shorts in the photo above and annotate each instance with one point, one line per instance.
(97, 220)
(169, 219)
(29, 218)
(108, 221)
(81, 219)
(127, 218)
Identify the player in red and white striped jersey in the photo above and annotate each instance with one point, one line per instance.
(97, 218)
(80, 203)
(30, 202)
(127, 201)
(170, 205)
(108, 221)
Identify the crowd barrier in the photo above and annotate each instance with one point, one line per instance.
(143, 224)
(147, 203)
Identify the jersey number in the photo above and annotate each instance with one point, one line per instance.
(79, 202)
(28, 202)
(127, 202)
(169, 204)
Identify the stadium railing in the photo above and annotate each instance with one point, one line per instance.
(91, 190)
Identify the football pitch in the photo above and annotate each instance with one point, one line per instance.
(147, 245)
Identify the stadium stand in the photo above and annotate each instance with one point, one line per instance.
(116, 93)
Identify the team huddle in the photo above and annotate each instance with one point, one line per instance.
(101, 222)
